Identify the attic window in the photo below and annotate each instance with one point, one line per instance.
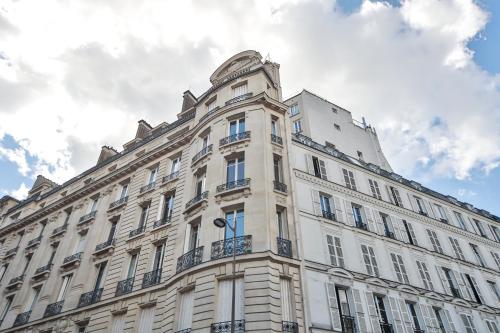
(111, 168)
(63, 194)
(329, 145)
(87, 181)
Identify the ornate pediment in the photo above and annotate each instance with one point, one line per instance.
(234, 66)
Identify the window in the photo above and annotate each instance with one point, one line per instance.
(143, 219)
(146, 320)
(132, 266)
(224, 293)
(123, 192)
(118, 324)
(281, 221)
(360, 155)
(211, 105)
(335, 251)
(437, 312)
(287, 308)
(420, 206)
(337, 127)
(68, 215)
(235, 170)
(496, 257)
(200, 184)
(186, 310)
(81, 243)
(278, 171)
(319, 167)
(168, 207)
(100, 275)
(34, 297)
(456, 248)
(239, 217)
(375, 189)
(478, 255)
(112, 231)
(492, 326)
(381, 312)
(93, 205)
(424, 275)
(468, 323)
(152, 175)
(205, 141)
(473, 288)
(325, 204)
(343, 304)
(434, 241)
(297, 126)
(274, 127)
(399, 268)
(410, 233)
(237, 126)
(193, 236)
(441, 213)
(240, 90)
(27, 262)
(460, 220)
(370, 261)
(6, 308)
(294, 110)
(494, 290)
(66, 280)
(450, 283)
(388, 228)
(413, 316)
(358, 218)
(480, 228)
(496, 232)
(3, 269)
(158, 258)
(176, 164)
(349, 179)
(396, 198)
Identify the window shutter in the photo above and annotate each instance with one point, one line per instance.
(309, 164)
(432, 315)
(465, 290)
(449, 319)
(160, 208)
(240, 299)
(444, 281)
(186, 310)
(412, 233)
(476, 286)
(399, 229)
(378, 222)
(286, 301)
(332, 302)
(223, 305)
(118, 324)
(338, 251)
(399, 276)
(349, 213)
(398, 323)
(369, 219)
(427, 318)
(146, 320)
(372, 312)
(428, 208)
(338, 210)
(389, 194)
(322, 169)
(413, 203)
(331, 250)
(316, 203)
(405, 316)
(360, 315)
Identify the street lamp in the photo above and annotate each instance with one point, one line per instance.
(222, 223)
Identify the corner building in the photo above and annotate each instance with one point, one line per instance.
(329, 239)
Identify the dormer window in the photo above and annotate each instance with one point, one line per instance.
(240, 90)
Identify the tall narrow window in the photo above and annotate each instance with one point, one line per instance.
(118, 324)
(235, 171)
(277, 169)
(496, 257)
(112, 231)
(294, 110)
(381, 311)
(235, 218)
(64, 287)
(437, 313)
(492, 326)
(6, 307)
(478, 255)
(480, 227)
(100, 275)
(370, 261)
(168, 207)
(158, 258)
(237, 126)
(399, 268)
(319, 167)
(3, 269)
(81, 243)
(200, 184)
(205, 141)
(494, 289)
(441, 213)
(240, 90)
(345, 310)
(325, 204)
(132, 266)
(27, 263)
(349, 179)
(274, 127)
(468, 323)
(34, 297)
(194, 236)
(456, 248)
(211, 105)
(297, 126)
(396, 198)
(375, 189)
(224, 307)
(335, 251)
(451, 281)
(146, 320)
(358, 218)
(93, 205)
(186, 310)
(282, 225)
(388, 228)
(460, 220)
(424, 275)
(287, 311)
(152, 175)
(144, 216)
(436, 245)
(123, 191)
(176, 163)
(413, 315)
(412, 239)
(473, 288)
(52, 254)
(496, 232)
(421, 206)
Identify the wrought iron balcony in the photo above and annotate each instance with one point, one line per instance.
(118, 202)
(234, 138)
(361, 225)
(224, 248)
(390, 234)
(278, 186)
(53, 309)
(348, 324)
(290, 326)
(34, 241)
(105, 245)
(239, 98)
(284, 247)
(233, 185)
(11, 251)
(125, 286)
(276, 139)
(328, 215)
(161, 222)
(43, 269)
(190, 259)
(89, 298)
(201, 153)
(16, 280)
(137, 231)
(151, 278)
(225, 326)
(72, 258)
(418, 330)
(187, 330)
(200, 197)
(147, 187)
(22, 318)
(386, 328)
(87, 217)
(172, 176)
(59, 230)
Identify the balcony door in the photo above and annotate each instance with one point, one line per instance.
(238, 217)
(237, 126)
(235, 170)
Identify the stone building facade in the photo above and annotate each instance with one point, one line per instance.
(329, 239)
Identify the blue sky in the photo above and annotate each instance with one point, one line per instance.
(439, 127)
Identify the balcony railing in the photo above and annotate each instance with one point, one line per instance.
(233, 185)
(197, 199)
(89, 298)
(151, 278)
(290, 327)
(284, 247)
(87, 217)
(187, 330)
(278, 186)
(22, 318)
(328, 215)
(225, 326)
(276, 139)
(190, 259)
(234, 138)
(34, 241)
(348, 324)
(73, 257)
(162, 222)
(16, 280)
(118, 202)
(60, 230)
(170, 177)
(53, 309)
(11, 251)
(125, 286)
(137, 231)
(104, 245)
(224, 248)
(201, 153)
(390, 234)
(361, 225)
(43, 269)
(418, 330)
(147, 187)
(239, 98)
(386, 328)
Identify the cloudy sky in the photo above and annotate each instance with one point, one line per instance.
(75, 75)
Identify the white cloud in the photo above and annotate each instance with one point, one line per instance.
(465, 193)
(21, 193)
(17, 156)
(81, 77)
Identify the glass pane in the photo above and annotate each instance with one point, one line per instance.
(232, 128)
(241, 126)
(241, 169)
(231, 171)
